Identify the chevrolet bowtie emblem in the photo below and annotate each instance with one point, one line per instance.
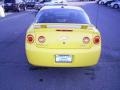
(63, 38)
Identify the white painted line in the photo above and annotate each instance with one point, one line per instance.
(12, 17)
(6, 14)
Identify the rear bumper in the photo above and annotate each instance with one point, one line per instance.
(10, 7)
(46, 57)
(14, 6)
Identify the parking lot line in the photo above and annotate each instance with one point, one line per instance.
(13, 16)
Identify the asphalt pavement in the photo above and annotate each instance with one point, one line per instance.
(16, 74)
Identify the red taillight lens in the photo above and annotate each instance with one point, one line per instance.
(86, 40)
(41, 39)
(30, 38)
(96, 40)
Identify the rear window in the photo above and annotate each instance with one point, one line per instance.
(62, 15)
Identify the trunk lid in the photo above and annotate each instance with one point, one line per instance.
(63, 37)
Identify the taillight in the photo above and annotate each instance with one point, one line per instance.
(41, 39)
(96, 40)
(30, 38)
(86, 40)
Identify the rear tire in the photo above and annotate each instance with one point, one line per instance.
(116, 6)
(97, 2)
(102, 3)
(108, 4)
(18, 9)
(24, 8)
(6, 10)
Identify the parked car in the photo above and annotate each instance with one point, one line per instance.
(2, 14)
(109, 2)
(43, 1)
(30, 3)
(104, 2)
(62, 36)
(56, 2)
(14, 5)
(115, 4)
(38, 5)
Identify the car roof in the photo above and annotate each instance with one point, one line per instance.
(61, 6)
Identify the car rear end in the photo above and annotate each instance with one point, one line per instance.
(14, 5)
(30, 4)
(9, 5)
(63, 44)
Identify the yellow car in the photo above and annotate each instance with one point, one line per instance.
(62, 36)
